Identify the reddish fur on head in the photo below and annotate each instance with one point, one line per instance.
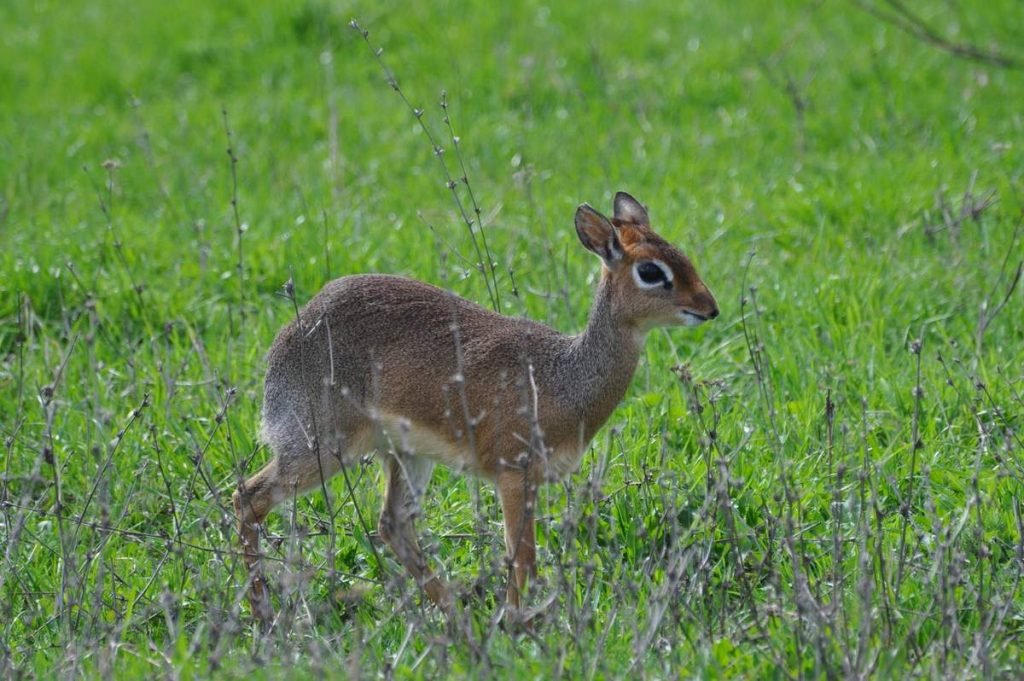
(627, 241)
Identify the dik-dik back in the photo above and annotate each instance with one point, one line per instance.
(438, 375)
(417, 375)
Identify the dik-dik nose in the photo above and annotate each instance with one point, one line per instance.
(706, 301)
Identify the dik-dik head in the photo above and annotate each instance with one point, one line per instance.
(651, 283)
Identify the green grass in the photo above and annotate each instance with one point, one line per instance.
(818, 164)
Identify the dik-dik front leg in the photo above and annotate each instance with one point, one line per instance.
(518, 500)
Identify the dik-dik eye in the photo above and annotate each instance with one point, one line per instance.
(651, 274)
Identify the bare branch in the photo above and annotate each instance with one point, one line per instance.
(900, 16)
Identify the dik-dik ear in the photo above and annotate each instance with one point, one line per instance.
(628, 209)
(598, 234)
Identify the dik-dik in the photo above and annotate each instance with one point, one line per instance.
(417, 375)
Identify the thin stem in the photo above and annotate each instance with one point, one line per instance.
(472, 198)
(239, 227)
(916, 444)
(417, 113)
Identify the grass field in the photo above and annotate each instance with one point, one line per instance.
(828, 486)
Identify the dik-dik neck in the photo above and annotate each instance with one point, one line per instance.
(602, 360)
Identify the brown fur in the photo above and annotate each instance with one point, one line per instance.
(417, 374)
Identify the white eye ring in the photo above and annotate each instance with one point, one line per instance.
(666, 272)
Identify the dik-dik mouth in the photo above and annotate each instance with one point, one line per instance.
(692, 318)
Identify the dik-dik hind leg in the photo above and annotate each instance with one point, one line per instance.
(518, 496)
(408, 477)
(253, 501)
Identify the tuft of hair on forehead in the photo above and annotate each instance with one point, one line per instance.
(632, 234)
